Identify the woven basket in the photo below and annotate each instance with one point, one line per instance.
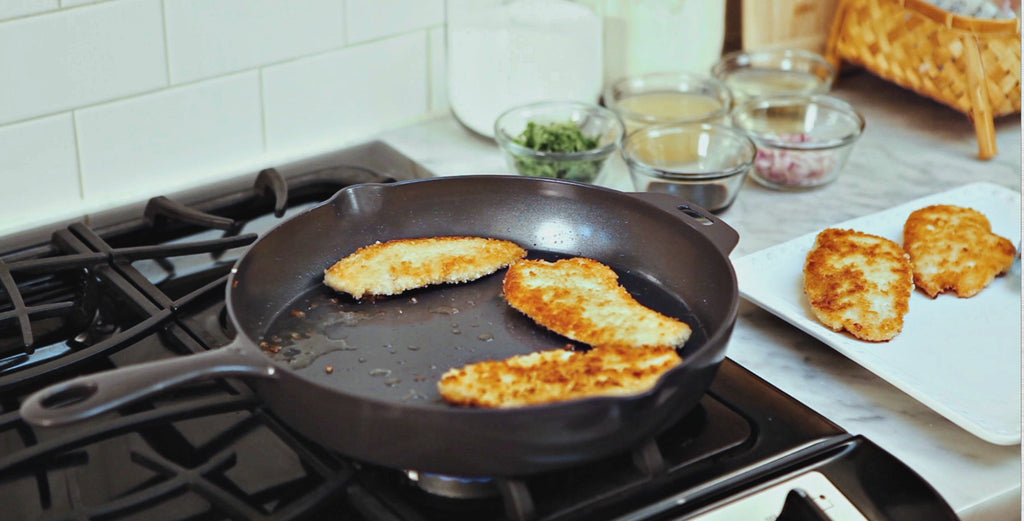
(970, 64)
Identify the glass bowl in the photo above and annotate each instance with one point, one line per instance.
(802, 141)
(704, 163)
(774, 71)
(677, 97)
(525, 125)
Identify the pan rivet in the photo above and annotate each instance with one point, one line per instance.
(329, 369)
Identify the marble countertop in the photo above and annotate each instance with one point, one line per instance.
(912, 147)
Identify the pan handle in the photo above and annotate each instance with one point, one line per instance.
(721, 234)
(93, 394)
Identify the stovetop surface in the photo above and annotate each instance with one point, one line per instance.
(144, 284)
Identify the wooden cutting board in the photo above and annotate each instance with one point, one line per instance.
(800, 24)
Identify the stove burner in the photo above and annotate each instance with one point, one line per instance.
(453, 487)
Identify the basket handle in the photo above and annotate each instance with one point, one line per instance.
(981, 110)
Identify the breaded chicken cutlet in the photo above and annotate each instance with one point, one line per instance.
(581, 299)
(953, 248)
(859, 282)
(557, 375)
(389, 268)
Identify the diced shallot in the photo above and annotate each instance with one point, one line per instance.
(794, 167)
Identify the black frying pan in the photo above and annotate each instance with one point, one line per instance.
(378, 401)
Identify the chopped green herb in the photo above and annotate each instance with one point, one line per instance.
(557, 137)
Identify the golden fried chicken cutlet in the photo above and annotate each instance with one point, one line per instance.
(953, 248)
(557, 375)
(859, 282)
(389, 268)
(581, 299)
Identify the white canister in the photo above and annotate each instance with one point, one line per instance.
(505, 53)
(650, 36)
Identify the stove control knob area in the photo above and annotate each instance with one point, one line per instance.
(808, 496)
(799, 506)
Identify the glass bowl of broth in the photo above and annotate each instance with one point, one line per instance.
(704, 163)
(670, 97)
(750, 74)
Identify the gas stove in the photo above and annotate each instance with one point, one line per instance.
(148, 282)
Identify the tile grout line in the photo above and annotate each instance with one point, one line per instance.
(78, 157)
(60, 8)
(431, 67)
(167, 47)
(263, 111)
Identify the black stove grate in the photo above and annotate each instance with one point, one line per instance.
(90, 300)
(231, 475)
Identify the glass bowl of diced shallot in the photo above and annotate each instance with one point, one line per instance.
(802, 141)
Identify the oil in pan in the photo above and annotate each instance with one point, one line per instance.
(396, 348)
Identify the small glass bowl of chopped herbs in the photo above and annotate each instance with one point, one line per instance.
(559, 139)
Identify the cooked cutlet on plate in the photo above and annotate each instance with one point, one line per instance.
(557, 375)
(389, 268)
(582, 299)
(859, 282)
(953, 248)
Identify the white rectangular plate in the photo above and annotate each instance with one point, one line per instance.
(960, 357)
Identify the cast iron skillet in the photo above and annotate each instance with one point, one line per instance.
(378, 401)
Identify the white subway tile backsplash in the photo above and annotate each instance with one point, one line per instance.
(206, 39)
(38, 168)
(345, 94)
(109, 102)
(76, 57)
(370, 19)
(171, 139)
(15, 8)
